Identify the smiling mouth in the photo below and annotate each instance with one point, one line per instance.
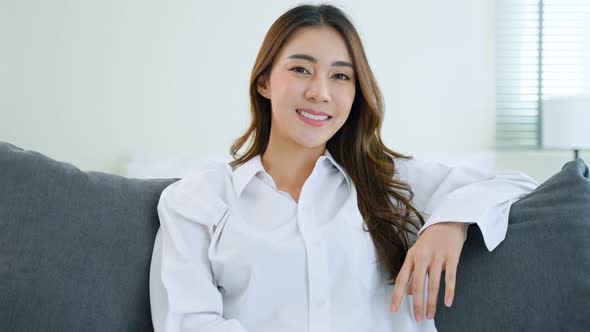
(313, 120)
(313, 116)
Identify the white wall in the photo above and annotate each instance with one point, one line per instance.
(96, 83)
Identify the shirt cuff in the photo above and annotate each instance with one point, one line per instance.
(492, 220)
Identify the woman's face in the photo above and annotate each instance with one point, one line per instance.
(312, 76)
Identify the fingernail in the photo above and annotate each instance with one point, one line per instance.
(418, 318)
(448, 301)
(393, 308)
(430, 315)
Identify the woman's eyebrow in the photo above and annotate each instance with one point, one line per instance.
(314, 60)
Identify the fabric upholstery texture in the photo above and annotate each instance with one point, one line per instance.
(538, 278)
(75, 247)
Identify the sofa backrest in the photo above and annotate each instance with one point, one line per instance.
(75, 247)
(538, 278)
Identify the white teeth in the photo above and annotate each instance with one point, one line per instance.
(313, 117)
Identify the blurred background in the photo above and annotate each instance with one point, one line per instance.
(151, 88)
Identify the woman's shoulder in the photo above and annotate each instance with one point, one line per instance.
(416, 169)
(208, 175)
(203, 193)
(402, 167)
(211, 172)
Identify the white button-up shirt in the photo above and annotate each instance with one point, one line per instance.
(234, 253)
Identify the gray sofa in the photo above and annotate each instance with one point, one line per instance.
(75, 250)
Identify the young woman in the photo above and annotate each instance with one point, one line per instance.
(318, 226)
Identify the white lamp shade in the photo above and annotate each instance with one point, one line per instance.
(566, 123)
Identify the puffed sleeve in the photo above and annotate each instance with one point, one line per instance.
(183, 294)
(462, 194)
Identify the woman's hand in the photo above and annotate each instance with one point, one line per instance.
(437, 249)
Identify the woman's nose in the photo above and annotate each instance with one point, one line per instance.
(318, 90)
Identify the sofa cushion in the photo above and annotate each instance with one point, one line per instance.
(75, 247)
(538, 278)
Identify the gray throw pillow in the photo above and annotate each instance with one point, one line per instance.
(75, 247)
(538, 279)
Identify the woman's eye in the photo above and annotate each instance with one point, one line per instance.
(300, 70)
(341, 76)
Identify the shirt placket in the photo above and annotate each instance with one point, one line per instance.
(317, 263)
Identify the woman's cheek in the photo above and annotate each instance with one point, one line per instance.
(345, 100)
(298, 87)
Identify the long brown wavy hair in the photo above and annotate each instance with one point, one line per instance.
(383, 201)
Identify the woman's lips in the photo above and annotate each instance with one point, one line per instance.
(313, 112)
(315, 123)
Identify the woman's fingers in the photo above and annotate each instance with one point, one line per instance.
(450, 273)
(420, 268)
(437, 250)
(434, 273)
(400, 283)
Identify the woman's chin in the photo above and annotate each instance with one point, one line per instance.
(312, 143)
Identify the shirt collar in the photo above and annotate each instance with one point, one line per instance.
(328, 156)
(245, 172)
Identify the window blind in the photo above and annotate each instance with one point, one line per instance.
(539, 56)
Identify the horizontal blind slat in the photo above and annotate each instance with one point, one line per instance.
(535, 61)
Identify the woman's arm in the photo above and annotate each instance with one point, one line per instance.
(450, 199)
(183, 294)
(467, 195)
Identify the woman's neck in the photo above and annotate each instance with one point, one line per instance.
(290, 165)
